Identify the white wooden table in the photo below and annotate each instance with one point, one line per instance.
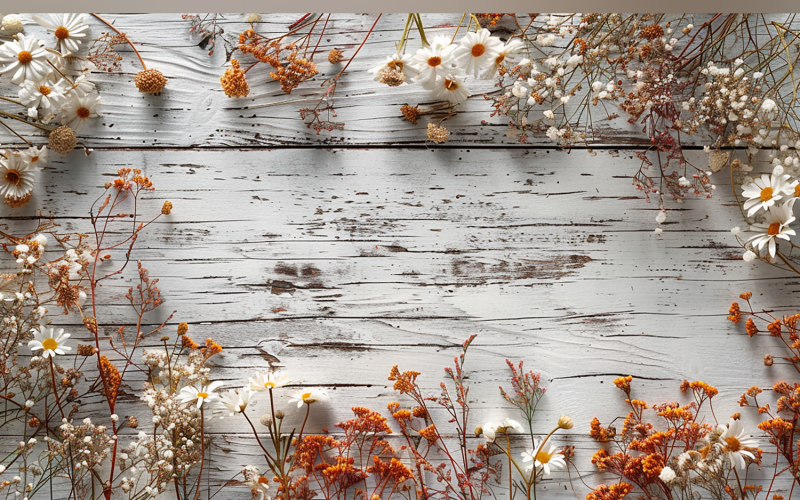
(336, 256)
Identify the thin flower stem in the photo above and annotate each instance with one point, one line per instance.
(55, 387)
(202, 451)
(124, 36)
(36, 124)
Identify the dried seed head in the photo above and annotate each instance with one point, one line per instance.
(85, 350)
(392, 77)
(183, 328)
(90, 324)
(17, 201)
(132, 422)
(167, 208)
(651, 32)
(335, 56)
(266, 420)
(234, 82)
(437, 134)
(410, 113)
(63, 140)
(150, 80)
(768, 360)
(564, 422)
(279, 414)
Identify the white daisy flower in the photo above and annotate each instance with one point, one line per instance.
(50, 341)
(450, 88)
(507, 57)
(432, 60)
(764, 192)
(397, 62)
(268, 380)
(69, 29)
(735, 441)
(43, 94)
(309, 396)
(775, 225)
(477, 50)
(199, 393)
(232, 402)
(77, 109)
(16, 175)
(82, 86)
(492, 429)
(36, 157)
(24, 59)
(544, 459)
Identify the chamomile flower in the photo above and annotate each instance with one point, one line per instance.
(775, 225)
(232, 402)
(16, 176)
(396, 62)
(450, 88)
(43, 94)
(82, 86)
(734, 443)
(50, 341)
(70, 30)
(309, 396)
(765, 191)
(199, 393)
(24, 59)
(492, 429)
(434, 60)
(78, 109)
(506, 57)
(268, 380)
(477, 50)
(36, 157)
(544, 458)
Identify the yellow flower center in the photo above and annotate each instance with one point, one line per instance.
(396, 65)
(62, 33)
(203, 395)
(44, 90)
(306, 396)
(269, 385)
(478, 49)
(499, 59)
(24, 57)
(774, 228)
(34, 159)
(450, 84)
(434, 61)
(733, 444)
(13, 177)
(50, 344)
(766, 194)
(543, 457)
(797, 191)
(83, 112)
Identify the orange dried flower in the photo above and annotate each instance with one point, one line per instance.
(188, 343)
(774, 328)
(85, 350)
(734, 313)
(768, 360)
(420, 412)
(750, 327)
(700, 388)
(111, 379)
(166, 209)
(613, 492)
(429, 433)
(624, 383)
(335, 56)
(403, 382)
(233, 81)
(183, 328)
(410, 113)
(211, 348)
(393, 469)
(601, 434)
(746, 295)
(651, 32)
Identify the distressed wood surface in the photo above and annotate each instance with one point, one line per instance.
(336, 262)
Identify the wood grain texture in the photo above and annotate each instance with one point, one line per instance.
(336, 262)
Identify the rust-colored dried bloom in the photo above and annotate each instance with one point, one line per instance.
(624, 383)
(437, 133)
(85, 350)
(90, 323)
(335, 56)
(613, 492)
(111, 378)
(699, 387)
(62, 140)
(734, 313)
(234, 82)
(750, 327)
(183, 328)
(410, 113)
(132, 422)
(34, 422)
(403, 382)
(392, 77)
(17, 201)
(211, 348)
(151, 81)
(768, 360)
(166, 209)
(746, 295)
(652, 32)
(429, 433)
(774, 328)
(188, 343)
(419, 412)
